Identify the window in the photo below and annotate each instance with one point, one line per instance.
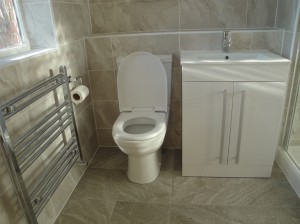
(13, 38)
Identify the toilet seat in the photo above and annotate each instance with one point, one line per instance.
(120, 124)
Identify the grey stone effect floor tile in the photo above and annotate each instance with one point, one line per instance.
(171, 160)
(140, 213)
(198, 191)
(258, 215)
(158, 191)
(192, 214)
(110, 158)
(82, 211)
(100, 184)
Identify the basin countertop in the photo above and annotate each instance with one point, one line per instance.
(211, 57)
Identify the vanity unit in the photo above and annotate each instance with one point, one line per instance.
(232, 109)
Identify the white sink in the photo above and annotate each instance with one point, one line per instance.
(235, 66)
(203, 57)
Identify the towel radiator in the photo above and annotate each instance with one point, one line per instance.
(22, 153)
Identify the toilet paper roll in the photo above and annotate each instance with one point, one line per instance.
(79, 94)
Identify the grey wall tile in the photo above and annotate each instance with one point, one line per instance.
(147, 15)
(173, 139)
(287, 45)
(241, 40)
(99, 54)
(201, 41)
(103, 18)
(103, 85)
(105, 137)
(156, 44)
(72, 21)
(175, 115)
(270, 40)
(106, 113)
(9, 83)
(209, 14)
(39, 24)
(286, 14)
(176, 88)
(261, 13)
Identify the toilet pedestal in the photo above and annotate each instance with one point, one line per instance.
(144, 169)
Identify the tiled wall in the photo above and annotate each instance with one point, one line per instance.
(18, 77)
(119, 16)
(103, 51)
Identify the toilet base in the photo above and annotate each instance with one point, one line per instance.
(144, 169)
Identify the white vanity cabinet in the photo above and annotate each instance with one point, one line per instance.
(230, 125)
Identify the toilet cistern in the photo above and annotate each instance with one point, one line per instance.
(226, 41)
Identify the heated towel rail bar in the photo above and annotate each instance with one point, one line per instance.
(25, 150)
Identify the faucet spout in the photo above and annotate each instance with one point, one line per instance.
(226, 41)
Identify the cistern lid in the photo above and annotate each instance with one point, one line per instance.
(142, 83)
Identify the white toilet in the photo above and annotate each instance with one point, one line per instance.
(144, 90)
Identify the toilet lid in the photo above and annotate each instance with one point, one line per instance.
(142, 83)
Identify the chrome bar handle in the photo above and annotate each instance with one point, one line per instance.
(238, 147)
(223, 125)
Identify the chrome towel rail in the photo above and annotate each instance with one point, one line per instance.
(25, 150)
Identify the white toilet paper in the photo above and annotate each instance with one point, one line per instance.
(79, 94)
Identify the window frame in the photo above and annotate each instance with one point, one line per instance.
(25, 45)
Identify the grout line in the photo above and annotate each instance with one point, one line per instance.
(247, 7)
(89, 9)
(276, 14)
(282, 42)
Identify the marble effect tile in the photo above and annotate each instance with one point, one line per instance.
(137, 213)
(106, 113)
(147, 15)
(201, 41)
(81, 210)
(110, 158)
(204, 14)
(100, 184)
(158, 191)
(267, 40)
(103, 18)
(105, 137)
(191, 214)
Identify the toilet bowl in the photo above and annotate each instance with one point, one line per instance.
(144, 96)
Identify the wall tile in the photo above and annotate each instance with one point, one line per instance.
(287, 48)
(176, 88)
(106, 113)
(39, 24)
(48, 215)
(72, 21)
(90, 148)
(99, 54)
(173, 139)
(175, 115)
(9, 83)
(201, 41)
(103, 17)
(147, 15)
(270, 40)
(241, 40)
(75, 57)
(105, 137)
(204, 14)
(261, 13)
(36, 69)
(156, 44)
(5, 181)
(103, 85)
(286, 14)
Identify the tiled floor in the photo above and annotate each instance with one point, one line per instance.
(105, 195)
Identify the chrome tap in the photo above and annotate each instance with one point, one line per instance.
(226, 41)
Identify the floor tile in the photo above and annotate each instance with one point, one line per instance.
(83, 211)
(159, 191)
(140, 213)
(100, 184)
(193, 214)
(110, 158)
(258, 215)
(199, 191)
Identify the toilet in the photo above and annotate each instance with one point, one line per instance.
(144, 90)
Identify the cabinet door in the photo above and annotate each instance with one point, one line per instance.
(206, 122)
(256, 120)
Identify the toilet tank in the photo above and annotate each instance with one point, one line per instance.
(167, 60)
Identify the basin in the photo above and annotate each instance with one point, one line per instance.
(259, 65)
